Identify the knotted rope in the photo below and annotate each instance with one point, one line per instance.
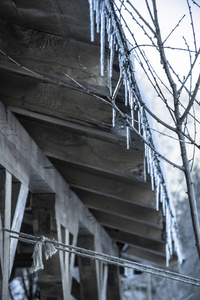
(43, 245)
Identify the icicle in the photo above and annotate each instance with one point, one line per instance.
(167, 255)
(132, 117)
(113, 116)
(168, 230)
(102, 38)
(97, 14)
(177, 245)
(157, 192)
(111, 54)
(126, 92)
(148, 159)
(141, 117)
(109, 28)
(127, 137)
(91, 20)
(151, 169)
(164, 204)
(139, 124)
(145, 173)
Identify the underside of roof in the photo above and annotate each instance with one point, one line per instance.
(50, 74)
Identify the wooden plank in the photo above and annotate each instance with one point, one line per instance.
(1, 244)
(46, 98)
(43, 171)
(17, 220)
(87, 179)
(140, 254)
(58, 143)
(72, 127)
(45, 16)
(127, 225)
(53, 55)
(6, 245)
(8, 12)
(118, 207)
(133, 239)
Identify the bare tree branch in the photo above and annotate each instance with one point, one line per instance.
(191, 102)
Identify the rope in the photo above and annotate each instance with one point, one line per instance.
(27, 238)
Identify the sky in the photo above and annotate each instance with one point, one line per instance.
(169, 15)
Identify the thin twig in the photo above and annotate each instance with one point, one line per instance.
(174, 29)
(192, 24)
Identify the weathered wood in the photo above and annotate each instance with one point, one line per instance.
(127, 225)
(140, 254)
(53, 56)
(119, 207)
(72, 127)
(51, 99)
(87, 179)
(102, 277)
(87, 270)
(127, 238)
(6, 239)
(44, 174)
(17, 220)
(55, 17)
(44, 223)
(58, 143)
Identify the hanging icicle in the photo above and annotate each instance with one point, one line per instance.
(113, 116)
(127, 137)
(102, 38)
(106, 17)
(112, 52)
(91, 20)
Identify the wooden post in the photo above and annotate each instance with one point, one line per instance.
(114, 291)
(44, 223)
(6, 213)
(66, 259)
(87, 270)
(17, 220)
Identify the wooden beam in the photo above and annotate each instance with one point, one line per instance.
(58, 143)
(87, 270)
(72, 127)
(140, 254)
(17, 220)
(118, 207)
(51, 99)
(133, 239)
(127, 225)
(56, 17)
(6, 239)
(84, 178)
(43, 172)
(114, 289)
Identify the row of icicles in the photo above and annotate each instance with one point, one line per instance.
(103, 17)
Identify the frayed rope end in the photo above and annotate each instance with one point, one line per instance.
(49, 250)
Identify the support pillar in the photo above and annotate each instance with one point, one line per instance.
(5, 221)
(87, 270)
(44, 223)
(114, 289)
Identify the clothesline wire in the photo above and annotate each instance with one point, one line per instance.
(24, 237)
